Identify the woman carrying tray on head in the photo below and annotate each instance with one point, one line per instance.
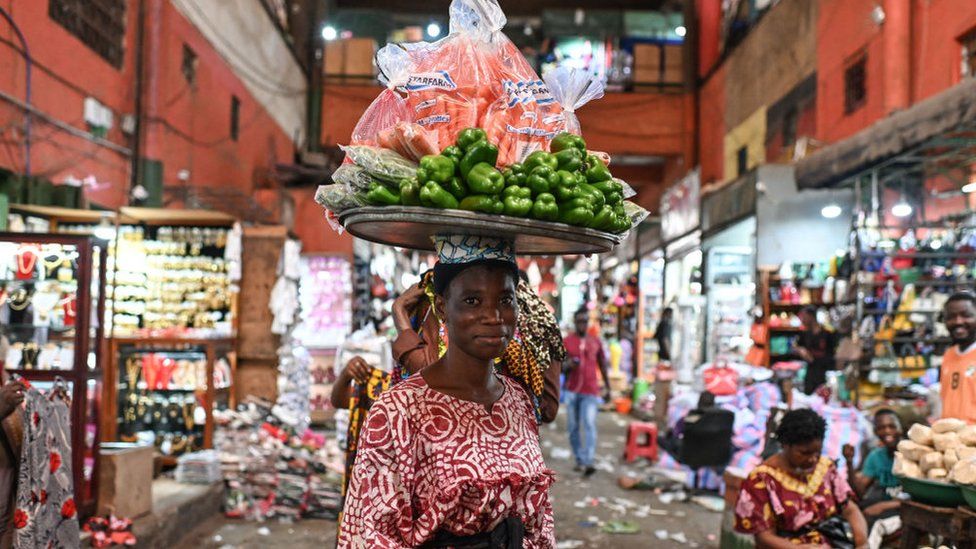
(450, 456)
(534, 357)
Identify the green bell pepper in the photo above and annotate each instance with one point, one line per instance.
(623, 221)
(379, 195)
(437, 168)
(433, 195)
(609, 186)
(596, 170)
(477, 153)
(540, 158)
(570, 159)
(578, 211)
(595, 196)
(514, 179)
(568, 186)
(545, 208)
(566, 140)
(483, 178)
(470, 136)
(518, 168)
(456, 187)
(454, 153)
(604, 219)
(518, 201)
(614, 198)
(410, 192)
(542, 179)
(483, 203)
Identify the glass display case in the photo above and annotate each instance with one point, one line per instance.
(163, 391)
(52, 301)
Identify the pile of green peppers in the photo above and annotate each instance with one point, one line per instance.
(571, 186)
(567, 185)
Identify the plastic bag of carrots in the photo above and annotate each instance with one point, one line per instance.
(572, 88)
(388, 122)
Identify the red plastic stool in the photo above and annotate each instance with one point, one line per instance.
(637, 448)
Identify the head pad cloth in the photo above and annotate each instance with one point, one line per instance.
(457, 253)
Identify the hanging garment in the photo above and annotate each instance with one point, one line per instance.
(45, 513)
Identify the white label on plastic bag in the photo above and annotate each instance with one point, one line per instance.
(438, 80)
(554, 119)
(527, 91)
(425, 105)
(528, 130)
(435, 119)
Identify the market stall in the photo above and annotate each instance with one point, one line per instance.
(52, 298)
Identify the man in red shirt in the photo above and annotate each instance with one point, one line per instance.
(584, 358)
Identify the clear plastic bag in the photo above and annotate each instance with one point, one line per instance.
(628, 191)
(572, 88)
(338, 198)
(381, 163)
(352, 177)
(389, 108)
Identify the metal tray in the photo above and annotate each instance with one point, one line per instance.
(412, 227)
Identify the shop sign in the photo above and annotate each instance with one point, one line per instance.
(729, 204)
(679, 206)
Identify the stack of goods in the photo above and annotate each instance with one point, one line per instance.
(199, 468)
(271, 472)
(479, 131)
(170, 280)
(944, 452)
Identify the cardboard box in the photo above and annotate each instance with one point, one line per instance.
(645, 75)
(673, 56)
(125, 480)
(647, 56)
(674, 75)
(350, 57)
(359, 56)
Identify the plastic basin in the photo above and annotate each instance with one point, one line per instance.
(969, 494)
(933, 492)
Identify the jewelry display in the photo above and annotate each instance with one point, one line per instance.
(26, 262)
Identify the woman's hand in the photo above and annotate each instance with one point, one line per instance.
(357, 369)
(11, 396)
(408, 301)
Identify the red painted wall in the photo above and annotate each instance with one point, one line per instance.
(80, 73)
(845, 28)
(188, 126)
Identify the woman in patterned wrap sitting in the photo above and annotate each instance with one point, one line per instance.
(450, 457)
(797, 498)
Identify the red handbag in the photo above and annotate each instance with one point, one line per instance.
(721, 380)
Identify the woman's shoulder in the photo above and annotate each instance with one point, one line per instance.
(405, 394)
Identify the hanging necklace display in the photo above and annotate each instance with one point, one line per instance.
(19, 299)
(3, 296)
(66, 273)
(26, 262)
(69, 306)
(44, 303)
(51, 265)
(28, 359)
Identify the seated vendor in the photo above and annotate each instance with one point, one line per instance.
(797, 497)
(874, 482)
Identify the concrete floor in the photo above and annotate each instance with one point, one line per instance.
(581, 507)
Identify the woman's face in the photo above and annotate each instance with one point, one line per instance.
(480, 310)
(802, 458)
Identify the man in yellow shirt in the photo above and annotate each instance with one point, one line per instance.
(958, 377)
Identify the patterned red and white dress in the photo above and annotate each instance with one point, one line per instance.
(428, 461)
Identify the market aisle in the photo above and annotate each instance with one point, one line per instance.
(573, 523)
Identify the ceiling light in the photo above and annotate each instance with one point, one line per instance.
(680, 30)
(329, 33)
(433, 30)
(901, 209)
(830, 211)
(969, 187)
